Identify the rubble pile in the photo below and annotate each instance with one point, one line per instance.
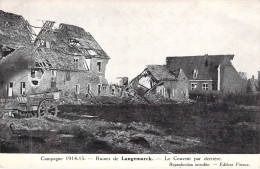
(157, 98)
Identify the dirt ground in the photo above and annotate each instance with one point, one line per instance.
(85, 129)
(59, 135)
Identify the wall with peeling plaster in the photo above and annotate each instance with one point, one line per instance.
(67, 87)
(177, 90)
(53, 54)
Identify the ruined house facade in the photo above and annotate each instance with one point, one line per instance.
(157, 79)
(118, 89)
(63, 58)
(209, 72)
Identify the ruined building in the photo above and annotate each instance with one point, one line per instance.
(64, 58)
(15, 32)
(158, 80)
(182, 75)
(209, 72)
(118, 89)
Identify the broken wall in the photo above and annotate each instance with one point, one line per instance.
(231, 81)
(118, 91)
(42, 80)
(16, 80)
(65, 81)
(94, 67)
(172, 89)
(175, 90)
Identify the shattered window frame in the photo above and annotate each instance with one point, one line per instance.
(41, 42)
(92, 52)
(86, 65)
(73, 42)
(194, 86)
(33, 73)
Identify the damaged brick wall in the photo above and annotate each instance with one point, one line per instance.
(177, 90)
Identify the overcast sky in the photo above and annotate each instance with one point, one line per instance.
(138, 33)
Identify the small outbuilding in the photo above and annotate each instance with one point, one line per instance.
(157, 79)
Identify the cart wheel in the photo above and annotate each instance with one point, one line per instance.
(47, 107)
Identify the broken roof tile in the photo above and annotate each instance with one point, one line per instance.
(15, 31)
(160, 72)
(66, 34)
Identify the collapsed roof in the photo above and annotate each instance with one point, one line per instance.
(52, 48)
(36, 57)
(15, 31)
(70, 39)
(161, 73)
(205, 64)
(51, 59)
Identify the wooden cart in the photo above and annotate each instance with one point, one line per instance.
(34, 105)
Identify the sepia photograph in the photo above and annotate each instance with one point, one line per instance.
(129, 77)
